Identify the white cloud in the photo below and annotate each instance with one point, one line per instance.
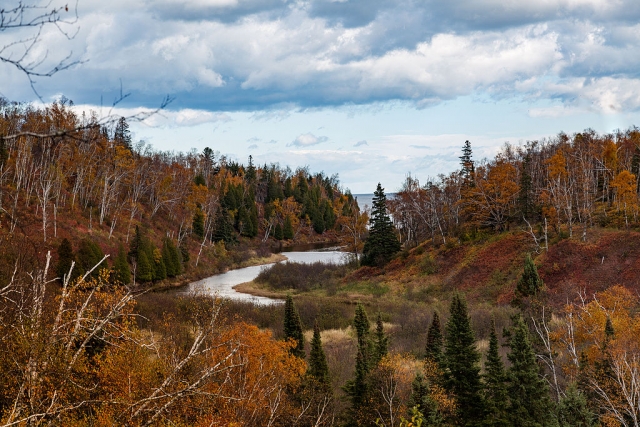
(308, 139)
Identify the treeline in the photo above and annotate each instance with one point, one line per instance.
(562, 183)
(64, 175)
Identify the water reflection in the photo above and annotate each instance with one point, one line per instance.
(222, 284)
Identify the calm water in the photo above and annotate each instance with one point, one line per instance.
(222, 284)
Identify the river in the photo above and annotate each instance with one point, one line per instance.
(222, 284)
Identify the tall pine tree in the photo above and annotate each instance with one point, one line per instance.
(293, 327)
(495, 389)
(121, 267)
(382, 243)
(380, 343)
(530, 403)
(318, 367)
(461, 366)
(433, 350)
(65, 258)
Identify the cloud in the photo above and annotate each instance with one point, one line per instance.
(253, 146)
(360, 143)
(308, 140)
(237, 55)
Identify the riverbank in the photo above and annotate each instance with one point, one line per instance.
(252, 288)
(194, 276)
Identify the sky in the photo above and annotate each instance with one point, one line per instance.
(373, 90)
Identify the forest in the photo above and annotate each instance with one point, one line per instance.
(504, 293)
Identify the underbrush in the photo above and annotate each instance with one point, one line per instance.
(303, 277)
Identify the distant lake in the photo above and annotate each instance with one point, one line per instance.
(367, 199)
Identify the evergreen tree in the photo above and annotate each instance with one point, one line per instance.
(172, 258)
(318, 367)
(382, 243)
(250, 173)
(293, 327)
(466, 161)
(198, 223)
(287, 229)
(277, 232)
(573, 410)
(144, 268)
(357, 389)
(530, 404)
(199, 180)
(122, 135)
(362, 326)
(121, 267)
(380, 343)
(530, 282)
(434, 340)
(65, 258)
(89, 255)
(223, 230)
(424, 403)
(461, 363)
(159, 266)
(136, 245)
(495, 385)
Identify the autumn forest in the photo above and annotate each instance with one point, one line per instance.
(503, 293)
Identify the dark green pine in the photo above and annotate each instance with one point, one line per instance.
(530, 282)
(89, 255)
(495, 389)
(198, 223)
(461, 363)
(362, 326)
(293, 328)
(287, 229)
(382, 243)
(121, 267)
(433, 350)
(380, 343)
(530, 402)
(573, 410)
(223, 229)
(318, 367)
(144, 270)
(65, 258)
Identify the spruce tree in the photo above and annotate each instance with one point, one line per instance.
(495, 390)
(382, 243)
(357, 389)
(380, 343)
(573, 410)
(144, 269)
(362, 326)
(89, 255)
(293, 327)
(198, 223)
(277, 233)
(287, 229)
(223, 230)
(530, 404)
(466, 162)
(65, 258)
(318, 367)
(433, 349)
(121, 267)
(461, 365)
(530, 282)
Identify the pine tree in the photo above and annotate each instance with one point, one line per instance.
(530, 404)
(293, 328)
(382, 243)
(318, 367)
(122, 135)
(89, 255)
(466, 161)
(461, 363)
(223, 230)
(287, 229)
(198, 223)
(144, 270)
(362, 326)
(495, 385)
(530, 282)
(424, 403)
(65, 258)
(277, 233)
(380, 343)
(433, 349)
(573, 410)
(121, 267)
(159, 266)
